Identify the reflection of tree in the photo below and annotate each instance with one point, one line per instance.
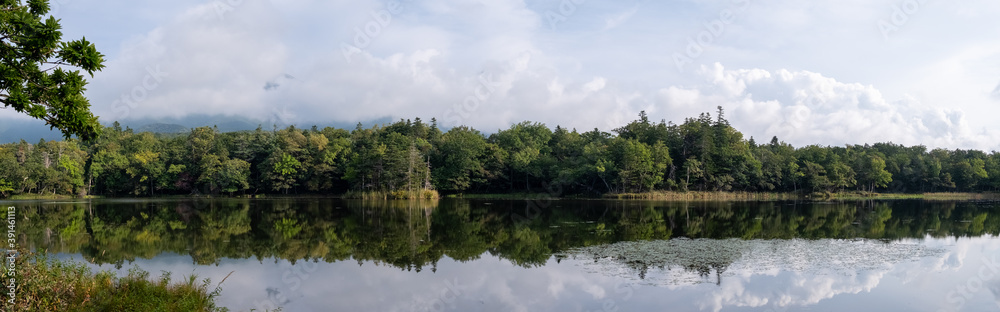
(692, 261)
(414, 235)
(219, 226)
(643, 223)
(61, 228)
(396, 233)
(522, 245)
(705, 257)
(461, 228)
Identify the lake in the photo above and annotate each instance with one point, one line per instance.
(543, 255)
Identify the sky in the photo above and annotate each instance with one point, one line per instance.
(809, 72)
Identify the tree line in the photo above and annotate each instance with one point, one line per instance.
(704, 153)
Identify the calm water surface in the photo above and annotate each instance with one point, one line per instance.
(542, 255)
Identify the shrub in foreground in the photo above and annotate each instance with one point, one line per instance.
(46, 284)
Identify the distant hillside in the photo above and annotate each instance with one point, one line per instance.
(163, 128)
(31, 130)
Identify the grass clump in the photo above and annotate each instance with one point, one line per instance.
(46, 284)
(401, 194)
(41, 197)
(961, 196)
(694, 195)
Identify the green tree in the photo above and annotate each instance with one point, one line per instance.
(992, 167)
(107, 169)
(567, 167)
(814, 176)
(968, 173)
(733, 164)
(525, 144)
(692, 169)
(145, 165)
(5, 188)
(366, 165)
(71, 164)
(661, 164)
(641, 166)
(225, 175)
(285, 170)
(201, 142)
(32, 78)
(841, 175)
(599, 164)
(872, 172)
(458, 158)
(329, 157)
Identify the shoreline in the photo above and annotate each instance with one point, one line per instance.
(738, 196)
(655, 195)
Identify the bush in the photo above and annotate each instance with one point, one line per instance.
(46, 284)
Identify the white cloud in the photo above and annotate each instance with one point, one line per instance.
(616, 20)
(818, 72)
(808, 108)
(209, 65)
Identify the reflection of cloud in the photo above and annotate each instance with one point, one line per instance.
(799, 272)
(560, 283)
(790, 289)
(995, 289)
(950, 260)
(274, 294)
(734, 257)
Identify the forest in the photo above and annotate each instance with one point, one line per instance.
(704, 153)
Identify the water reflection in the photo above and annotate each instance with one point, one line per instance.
(686, 261)
(313, 254)
(413, 235)
(792, 272)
